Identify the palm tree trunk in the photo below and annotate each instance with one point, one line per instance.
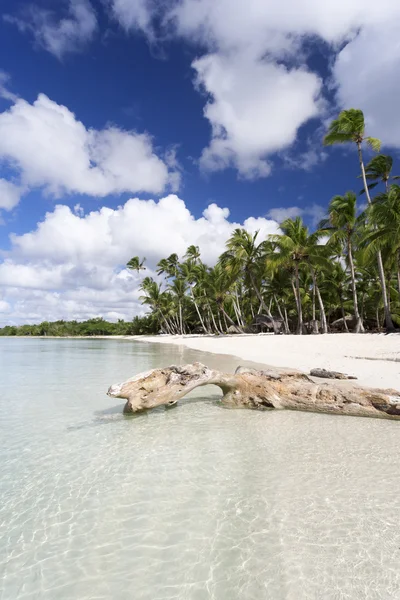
(213, 319)
(286, 320)
(359, 328)
(343, 315)
(320, 302)
(198, 311)
(264, 306)
(231, 321)
(281, 315)
(225, 323)
(398, 272)
(241, 321)
(181, 318)
(298, 300)
(378, 323)
(313, 304)
(388, 316)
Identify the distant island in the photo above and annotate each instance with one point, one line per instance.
(138, 326)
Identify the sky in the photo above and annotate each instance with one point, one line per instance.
(140, 127)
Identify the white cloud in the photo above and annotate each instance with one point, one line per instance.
(10, 195)
(72, 265)
(52, 149)
(255, 109)
(367, 75)
(59, 35)
(314, 212)
(134, 14)
(4, 91)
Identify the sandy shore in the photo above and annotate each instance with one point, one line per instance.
(373, 358)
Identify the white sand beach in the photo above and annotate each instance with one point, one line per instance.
(373, 358)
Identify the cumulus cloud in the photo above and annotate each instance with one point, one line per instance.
(50, 148)
(59, 35)
(255, 109)
(313, 212)
(73, 265)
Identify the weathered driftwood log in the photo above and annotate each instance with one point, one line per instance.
(330, 374)
(248, 388)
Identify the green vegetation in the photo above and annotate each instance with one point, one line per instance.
(139, 326)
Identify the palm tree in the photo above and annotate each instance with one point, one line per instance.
(379, 170)
(135, 264)
(350, 127)
(341, 228)
(189, 273)
(193, 254)
(220, 283)
(337, 281)
(154, 298)
(245, 258)
(169, 266)
(296, 247)
(384, 214)
(178, 289)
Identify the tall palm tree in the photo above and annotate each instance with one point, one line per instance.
(135, 264)
(341, 227)
(378, 170)
(350, 127)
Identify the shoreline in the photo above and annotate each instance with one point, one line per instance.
(374, 358)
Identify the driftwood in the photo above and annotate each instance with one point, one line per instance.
(248, 388)
(330, 374)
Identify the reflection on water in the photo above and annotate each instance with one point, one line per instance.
(193, 503)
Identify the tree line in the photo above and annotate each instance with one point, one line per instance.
(91, 327)
(343, 276)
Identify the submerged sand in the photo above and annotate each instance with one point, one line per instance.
(373, 358)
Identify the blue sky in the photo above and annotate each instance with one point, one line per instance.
(199, 102)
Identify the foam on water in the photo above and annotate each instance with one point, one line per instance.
(194, 503)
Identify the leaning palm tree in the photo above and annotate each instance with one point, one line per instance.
(189, 272)
(135, 264)
(341, 226)
(379, 169)
(153, 297)
(349, 127)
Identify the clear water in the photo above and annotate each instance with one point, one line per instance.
(192, 503)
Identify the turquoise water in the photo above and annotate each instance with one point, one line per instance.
(194, 503)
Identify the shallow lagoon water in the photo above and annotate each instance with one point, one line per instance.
(192, 503)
